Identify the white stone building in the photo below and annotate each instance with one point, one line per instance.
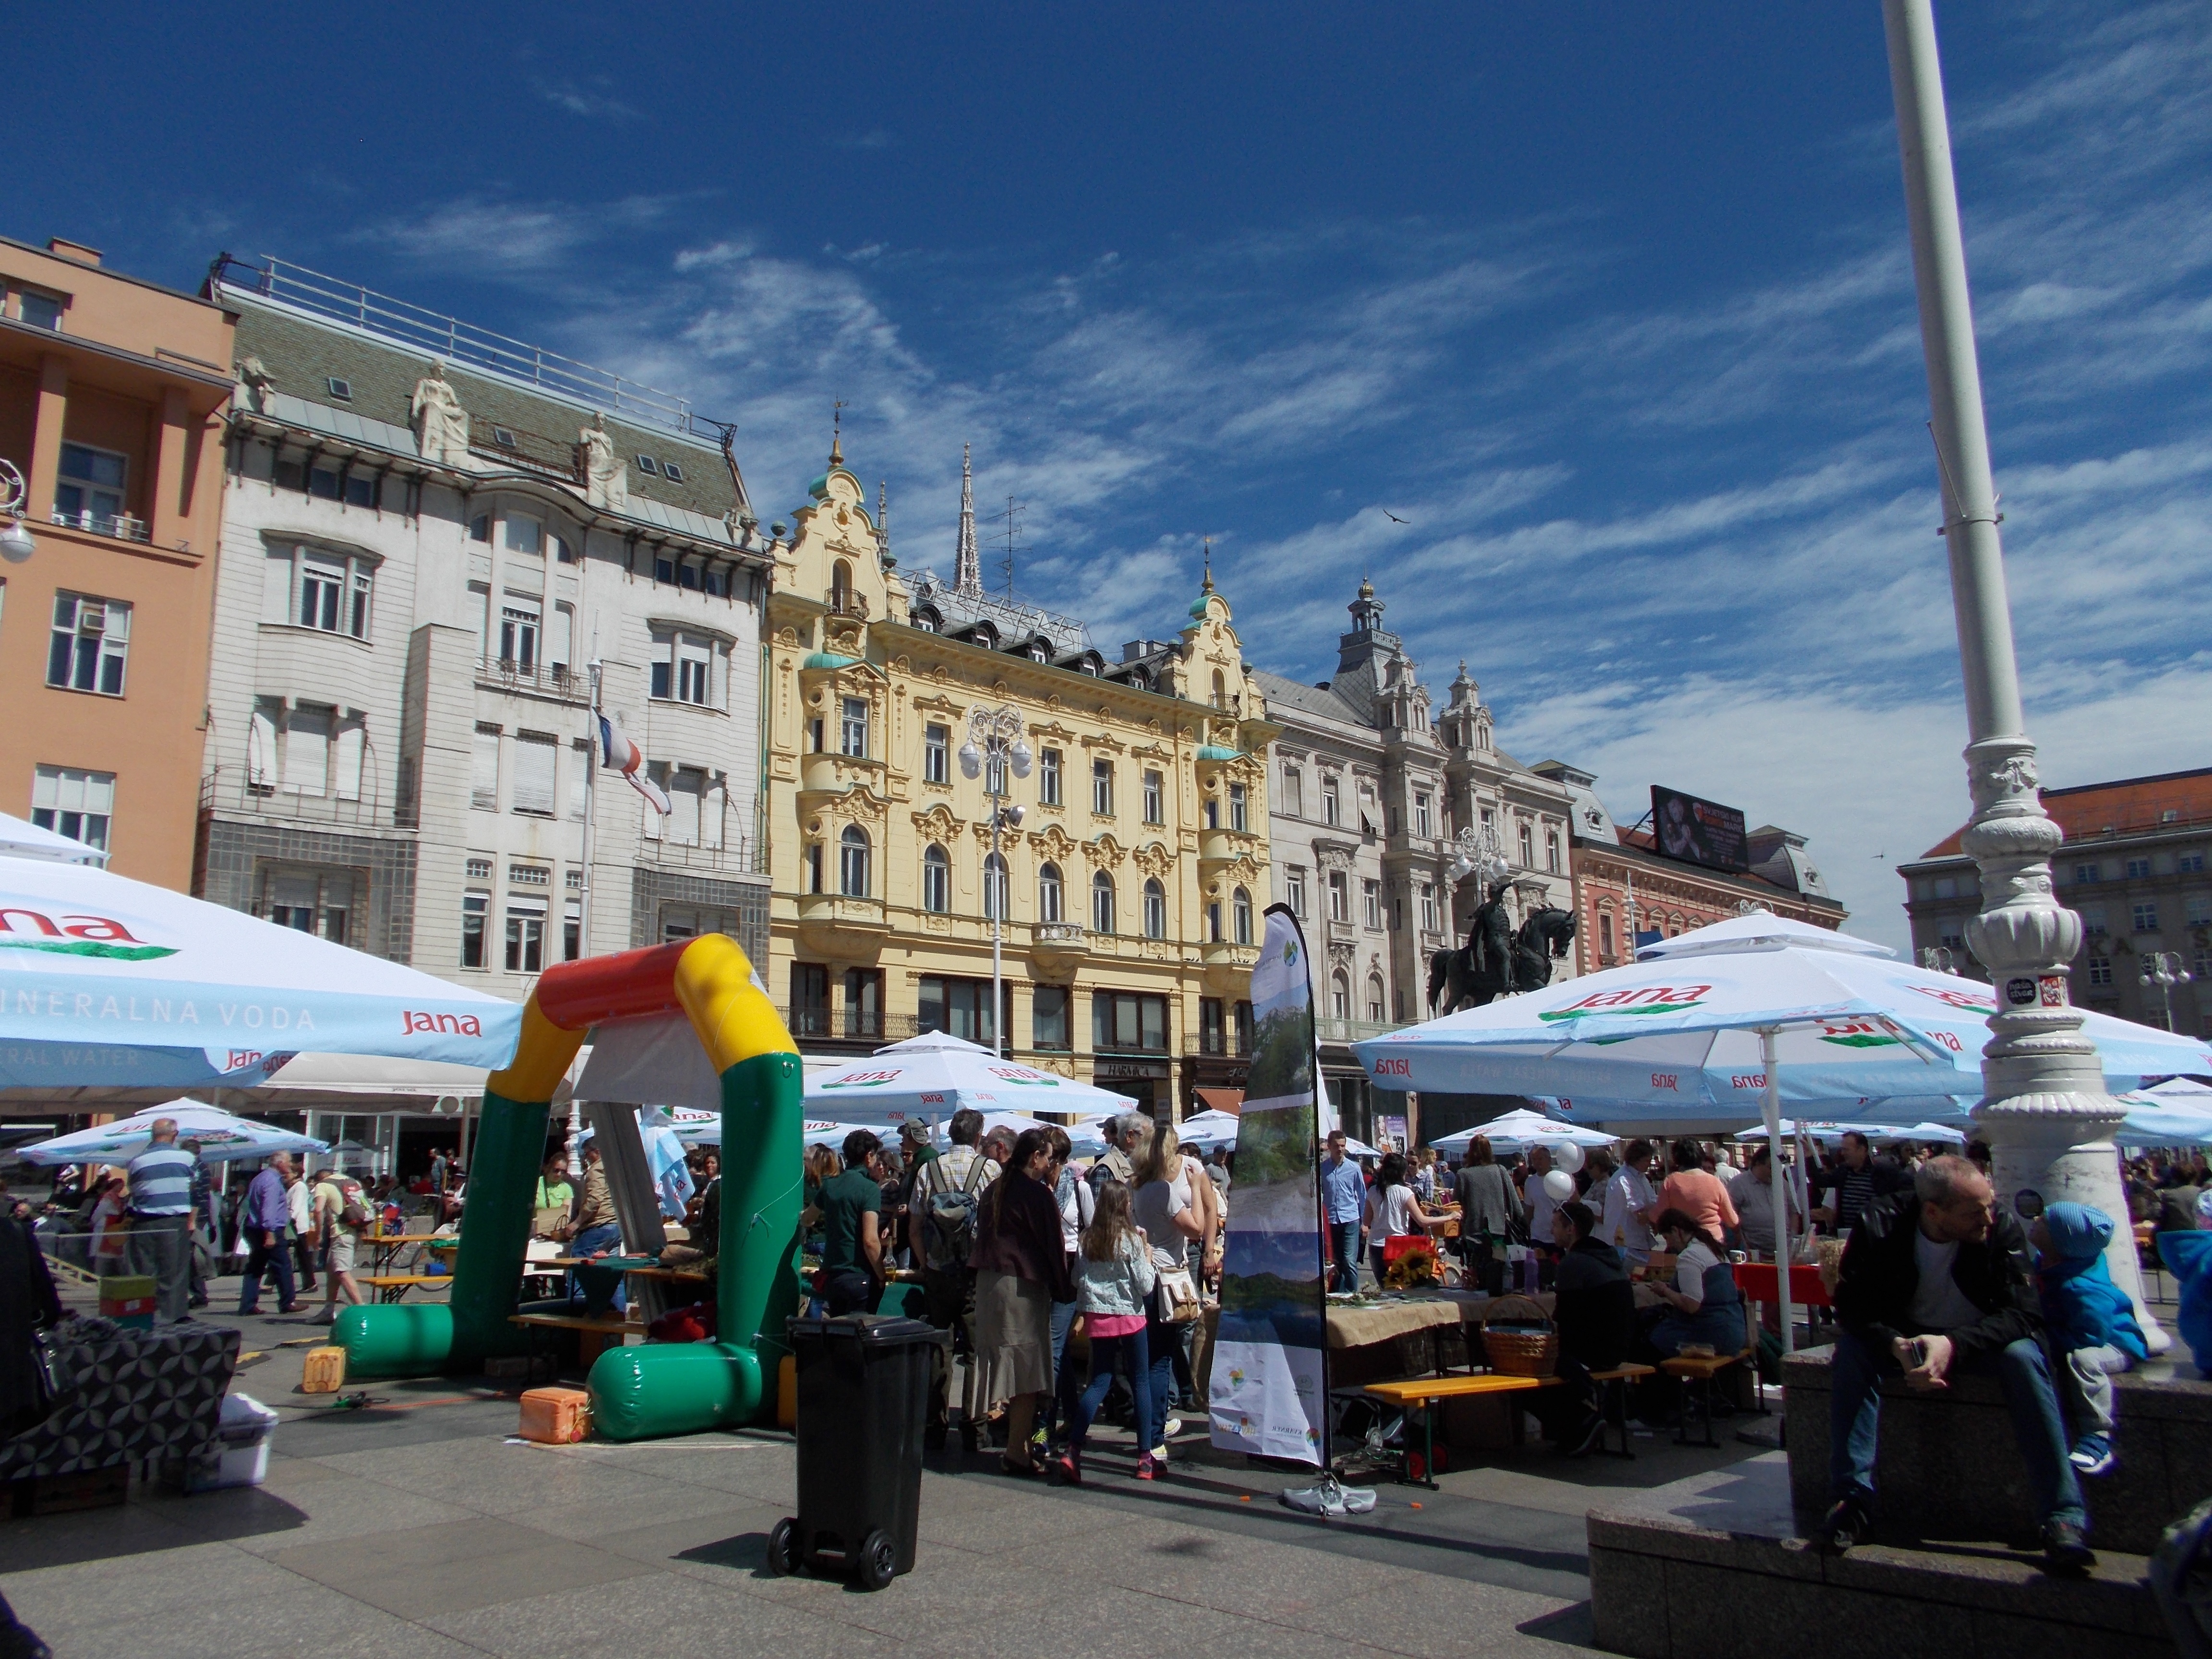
(430, 535)
(1367, 792)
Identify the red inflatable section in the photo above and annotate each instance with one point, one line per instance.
(629, 985)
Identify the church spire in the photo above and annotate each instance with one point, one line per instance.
(967, 567)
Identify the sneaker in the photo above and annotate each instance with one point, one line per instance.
(1148, 1466)
(1159, 1453)
(2093, 1453)
(2066, 1547)
(1847, 1523)
(1065, 1470)
(328, 1316)
(1586, 1438)
(1171, 1428)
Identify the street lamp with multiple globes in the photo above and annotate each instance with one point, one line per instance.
(994, 743)
(2044, 1110)
(15, 542)
(2165, 972)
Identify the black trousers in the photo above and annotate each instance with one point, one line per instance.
(1566, 1410)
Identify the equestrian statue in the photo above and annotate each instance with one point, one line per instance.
(1497, 961)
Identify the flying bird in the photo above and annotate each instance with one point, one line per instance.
(1393, 517)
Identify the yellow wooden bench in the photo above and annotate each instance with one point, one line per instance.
(1697, 1372)
(393, 1287)
(1424, 1393)
(595, 1333)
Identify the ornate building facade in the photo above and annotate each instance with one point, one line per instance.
(1129, 896)
(1369, 792)
(431, 539)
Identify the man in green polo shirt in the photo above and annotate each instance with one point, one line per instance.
(852, 1239)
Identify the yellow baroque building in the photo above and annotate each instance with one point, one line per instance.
(1130, 893)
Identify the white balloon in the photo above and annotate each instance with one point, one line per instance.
(1558, 1186)
(1567, 1156)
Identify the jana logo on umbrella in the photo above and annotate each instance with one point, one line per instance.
(24, 927)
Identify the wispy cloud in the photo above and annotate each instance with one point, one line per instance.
(592, 103)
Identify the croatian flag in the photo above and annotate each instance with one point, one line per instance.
(616, 750)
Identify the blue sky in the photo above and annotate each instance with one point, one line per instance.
(1611, 303)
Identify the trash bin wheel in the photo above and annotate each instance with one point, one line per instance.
(878, 1560)
(783, 1547)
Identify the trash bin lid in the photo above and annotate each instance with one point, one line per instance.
(872, 1330)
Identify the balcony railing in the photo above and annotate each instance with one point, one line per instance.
(733, 858)
(1061, 933)
(1330, 1029)
(121, 525)
(227, 790)
(850, 1024)
(551, 679)
(854, 606)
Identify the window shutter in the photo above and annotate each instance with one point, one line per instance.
(712, 805)
(484, 769)
(683, 792)
(533, 773)
(307, 752)
(276, 585)
(579, 779)
(261, 749)
(348, 756)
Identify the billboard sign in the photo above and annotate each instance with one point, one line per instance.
(1699, 831)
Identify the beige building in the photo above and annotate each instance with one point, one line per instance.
(1130, 894)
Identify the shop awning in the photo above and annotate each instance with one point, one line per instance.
(1220, 1100)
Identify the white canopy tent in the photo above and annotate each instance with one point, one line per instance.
(222, 1136)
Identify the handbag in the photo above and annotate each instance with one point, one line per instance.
(1174, 1297)
(53, 1383)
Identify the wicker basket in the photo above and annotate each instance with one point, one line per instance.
(1529, 1344)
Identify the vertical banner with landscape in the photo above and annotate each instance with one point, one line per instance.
(1268, 1390)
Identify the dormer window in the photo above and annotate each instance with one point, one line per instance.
(1036, 654)
(673, 472)
(340, 389)
(646, 465)
(503, 438)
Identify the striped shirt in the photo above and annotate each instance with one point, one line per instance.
(162, 1180)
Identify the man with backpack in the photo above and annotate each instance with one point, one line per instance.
(340, 1212)
(941, 1232)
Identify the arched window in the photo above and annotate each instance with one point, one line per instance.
(1240, 915)
(841, 584)
(1220, 690)
(1102, 903)
(994, 886)
(1339, 995)
(852, 862)
(1374, 998)
(1155, 909)
(1048, 893)
(936, 879)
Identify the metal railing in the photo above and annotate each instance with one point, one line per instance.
(225, 790)
(1329, 1029)
(555, 679)
(121, 525)
(733, 858)
(850, 1024)
(460, 343)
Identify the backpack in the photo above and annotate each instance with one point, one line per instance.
(353, 1212)
(949, 1221)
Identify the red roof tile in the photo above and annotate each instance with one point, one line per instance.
(2090, 810)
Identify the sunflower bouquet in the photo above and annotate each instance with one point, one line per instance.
(1416, 1268)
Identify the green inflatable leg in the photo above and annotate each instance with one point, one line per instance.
(683, 1388)
(420, 1339)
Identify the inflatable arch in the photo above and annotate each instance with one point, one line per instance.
(673, 1387)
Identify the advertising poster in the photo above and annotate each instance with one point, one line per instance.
(1699, 831)
(1267, 1392)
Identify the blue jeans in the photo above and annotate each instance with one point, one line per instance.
(607, 1236)
(1063, 1386)
(264, 1259)
(1162, 1343)
(1344, 1247)
(2024, 1371)
(1082, 1407)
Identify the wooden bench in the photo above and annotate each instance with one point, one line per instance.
(1423, 1393)
(393, 1287)
(595, 1335)
(1613, 1403)
(1697, 1372)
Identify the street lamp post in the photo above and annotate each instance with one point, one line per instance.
(15, 542)
(995, 734)
(2165, 972)
(1476, 851)
(2044, 1110)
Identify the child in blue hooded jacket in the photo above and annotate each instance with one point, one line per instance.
(2091, 1324)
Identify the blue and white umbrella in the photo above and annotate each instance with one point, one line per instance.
(935, 1075)
(222, 1136)
(107, 981)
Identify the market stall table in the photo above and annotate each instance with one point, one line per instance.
(393, 1287)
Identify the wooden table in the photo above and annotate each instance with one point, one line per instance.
(385, 1248)
(666, 1275)
(1425, 1391)
(595, 1335)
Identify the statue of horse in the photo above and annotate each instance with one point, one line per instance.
(1457, 981)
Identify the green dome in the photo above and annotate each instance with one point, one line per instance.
(1214, 751)
(827, 659)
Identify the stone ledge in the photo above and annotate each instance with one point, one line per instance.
(1716, 1566)
(1949, 1462)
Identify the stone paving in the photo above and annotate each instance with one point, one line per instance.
(419, 1526)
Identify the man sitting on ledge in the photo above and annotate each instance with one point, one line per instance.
(1936, 1282)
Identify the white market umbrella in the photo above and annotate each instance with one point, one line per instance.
(22, 839)
(104, 980)
(1206, 1130)
(935, 1075)
(1757, 1007)
(1517, 1130)
(222, 1135)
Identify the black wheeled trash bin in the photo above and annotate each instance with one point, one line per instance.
(863, 1386)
